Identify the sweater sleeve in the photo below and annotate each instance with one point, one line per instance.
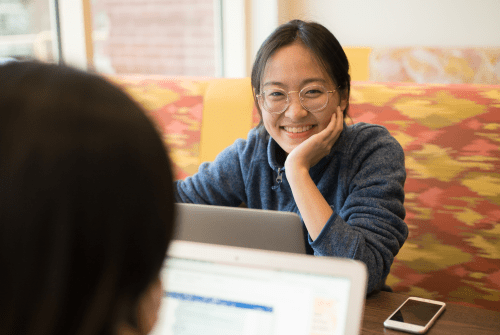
(369, 225)
(220, 182)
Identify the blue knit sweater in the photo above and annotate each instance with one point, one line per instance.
(362, 179)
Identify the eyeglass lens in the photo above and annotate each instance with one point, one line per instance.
(313, 98)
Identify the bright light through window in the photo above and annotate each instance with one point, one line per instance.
(175, 37)
(26, 30)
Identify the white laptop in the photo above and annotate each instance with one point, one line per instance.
(240, 227)
(214, 289)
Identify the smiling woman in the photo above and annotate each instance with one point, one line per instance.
(290, 121)
(345, 182)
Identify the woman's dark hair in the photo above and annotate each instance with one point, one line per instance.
(319, 40)
(86, 202)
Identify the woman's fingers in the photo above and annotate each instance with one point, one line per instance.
(336, 125)
(340, 117)
(333, 121)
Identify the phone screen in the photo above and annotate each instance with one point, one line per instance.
(416, 312)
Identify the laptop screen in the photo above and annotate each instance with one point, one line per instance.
(204, 297)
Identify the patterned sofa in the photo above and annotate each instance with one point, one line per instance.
(451, 138)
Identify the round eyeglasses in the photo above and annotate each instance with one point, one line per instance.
(313, 98)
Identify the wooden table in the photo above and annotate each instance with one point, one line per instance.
(455, 320)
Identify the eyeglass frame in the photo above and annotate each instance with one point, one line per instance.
(259, 96)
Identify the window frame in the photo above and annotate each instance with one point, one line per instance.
(241, 24)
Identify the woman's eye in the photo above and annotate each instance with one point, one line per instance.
(275, 94)
(313, 92)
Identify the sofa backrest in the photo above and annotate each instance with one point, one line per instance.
(451, 138)
(198, 117)
(228, 114)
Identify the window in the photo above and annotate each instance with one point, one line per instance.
(26, 30)
(166, 37)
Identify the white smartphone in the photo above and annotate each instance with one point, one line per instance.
(415, 315)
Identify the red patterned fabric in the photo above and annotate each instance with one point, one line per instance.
(451, 138)
(176, 104)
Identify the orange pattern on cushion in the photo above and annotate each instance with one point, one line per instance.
(176, 105)
(474, 65)
(451, 138)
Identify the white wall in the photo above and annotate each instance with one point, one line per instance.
(380, 23)
(245, 25)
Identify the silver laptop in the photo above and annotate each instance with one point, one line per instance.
(214, 289)
(240, 227)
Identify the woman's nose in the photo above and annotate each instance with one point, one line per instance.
(295, 109)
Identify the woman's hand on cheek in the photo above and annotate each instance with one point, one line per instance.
(312, 150)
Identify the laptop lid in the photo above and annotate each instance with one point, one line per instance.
(240, 227)
(214, 289)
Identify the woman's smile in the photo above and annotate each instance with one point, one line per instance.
(299, 132)
(297, 129)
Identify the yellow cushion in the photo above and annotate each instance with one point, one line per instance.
(227, 115)
(359, 59)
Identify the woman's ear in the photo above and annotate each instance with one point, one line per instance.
(344, 98)
(149, 306)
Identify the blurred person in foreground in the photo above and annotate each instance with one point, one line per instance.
(86, 205)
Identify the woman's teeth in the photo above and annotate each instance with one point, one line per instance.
(297, 129)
